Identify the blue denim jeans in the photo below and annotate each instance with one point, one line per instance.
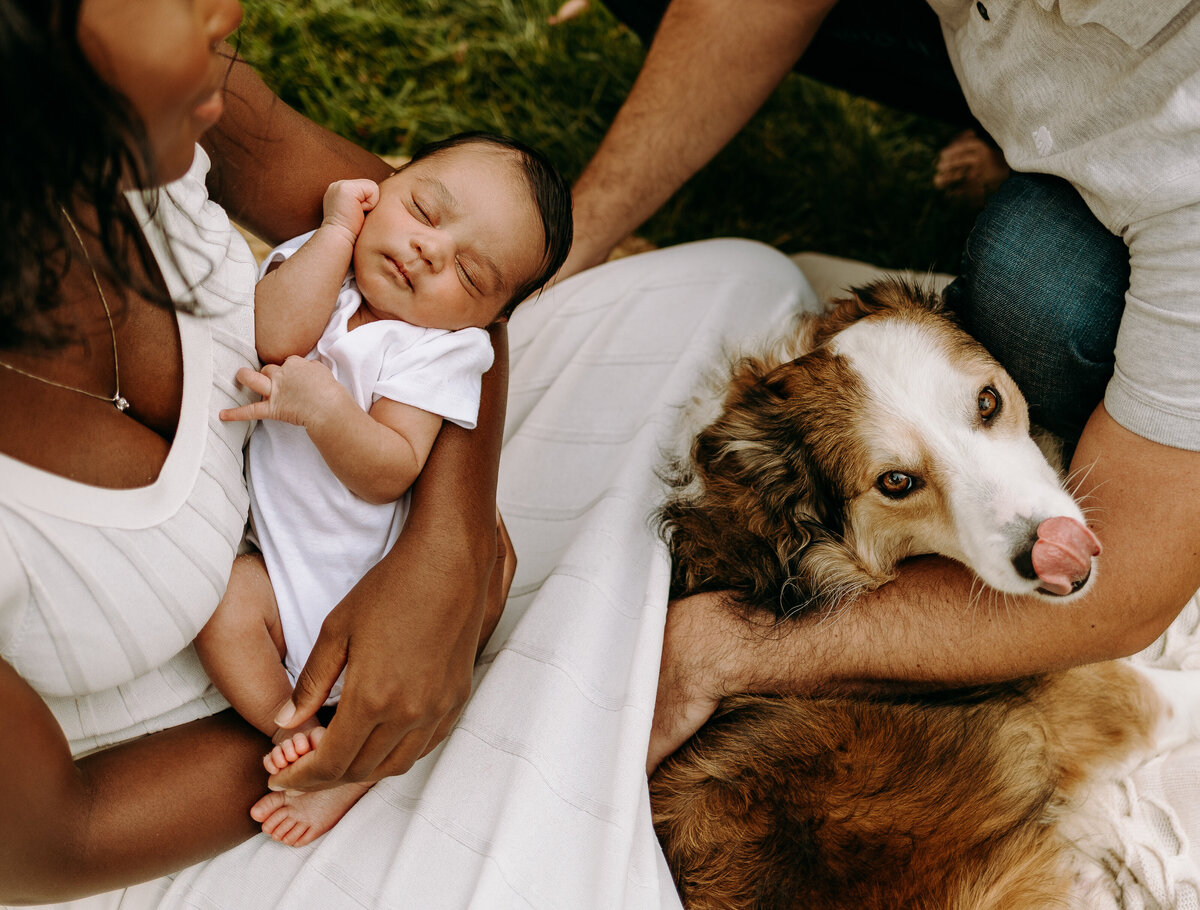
(1042, 286)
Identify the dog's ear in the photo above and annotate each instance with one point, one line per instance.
(752, 502)
(887, 296)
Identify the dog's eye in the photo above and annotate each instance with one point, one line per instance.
(896, 484)
(988, 403)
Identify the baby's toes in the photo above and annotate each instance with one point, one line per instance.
(275, 761)
(298, 835)
(289, 750)
(305, 741)
(269, 805)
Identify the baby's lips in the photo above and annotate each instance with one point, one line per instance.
(1062, 556)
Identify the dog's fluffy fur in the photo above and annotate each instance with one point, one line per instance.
(789, 501)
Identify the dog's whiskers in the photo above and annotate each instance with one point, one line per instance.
(975, 597)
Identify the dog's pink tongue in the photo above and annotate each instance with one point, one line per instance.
(1062, 556)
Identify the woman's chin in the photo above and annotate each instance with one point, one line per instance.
(173, 163)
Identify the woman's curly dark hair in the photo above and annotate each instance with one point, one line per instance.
(72, 143)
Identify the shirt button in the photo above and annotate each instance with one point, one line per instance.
(982, 10)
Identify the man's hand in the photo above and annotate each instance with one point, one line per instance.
(691, 682)
(297, 391)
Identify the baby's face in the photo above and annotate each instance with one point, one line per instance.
(450, 240)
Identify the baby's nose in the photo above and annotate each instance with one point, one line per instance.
(431, 248)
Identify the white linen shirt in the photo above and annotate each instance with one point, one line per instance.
(1106, 94)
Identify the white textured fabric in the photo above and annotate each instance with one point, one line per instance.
(1106, 94)
(538, 797)
(102, 591)
(1141, 830)
(318, 538)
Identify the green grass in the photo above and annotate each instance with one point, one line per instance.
(815, 170)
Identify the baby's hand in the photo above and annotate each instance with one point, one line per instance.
(298, 391)
(347, 202)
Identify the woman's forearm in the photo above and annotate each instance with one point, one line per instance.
(272, 165)
(455, 496)
(124, 815)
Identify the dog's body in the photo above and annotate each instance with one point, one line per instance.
(875, 433)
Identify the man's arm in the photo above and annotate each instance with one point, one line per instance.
(711, 66)
(271, 165)
(923, 630)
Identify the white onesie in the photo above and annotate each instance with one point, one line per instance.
(318, 538)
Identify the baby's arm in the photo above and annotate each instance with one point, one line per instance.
(294, 300)
(377, 455)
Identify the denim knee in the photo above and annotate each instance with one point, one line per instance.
(1043, 288)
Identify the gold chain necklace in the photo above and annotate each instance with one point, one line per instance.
(117, 399)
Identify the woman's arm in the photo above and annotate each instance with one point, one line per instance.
(120, 816)
(271, 165)
(409, 631)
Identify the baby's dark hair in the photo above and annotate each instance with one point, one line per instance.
(550, 192)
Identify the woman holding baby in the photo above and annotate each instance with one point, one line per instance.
(127, 311)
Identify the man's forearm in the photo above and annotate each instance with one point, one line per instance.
(933, 627)
(711, 66)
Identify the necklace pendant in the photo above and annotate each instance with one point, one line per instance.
(121, 403)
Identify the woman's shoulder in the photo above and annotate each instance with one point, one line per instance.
(205, 261)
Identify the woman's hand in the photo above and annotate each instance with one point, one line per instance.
(407, 636)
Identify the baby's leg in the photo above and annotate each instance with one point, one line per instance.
(242, 645)
(298, 818)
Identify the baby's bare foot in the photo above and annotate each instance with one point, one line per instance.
(297, 819)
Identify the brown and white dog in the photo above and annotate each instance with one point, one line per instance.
(871, 434)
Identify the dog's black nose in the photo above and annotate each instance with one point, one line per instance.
(1022, 559)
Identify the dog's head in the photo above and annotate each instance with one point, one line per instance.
(894, 435)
